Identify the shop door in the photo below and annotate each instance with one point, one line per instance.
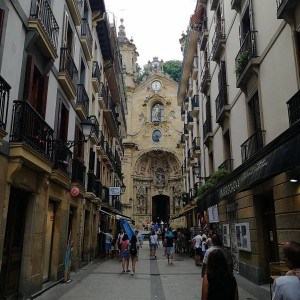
(13, 244)
(48, 242)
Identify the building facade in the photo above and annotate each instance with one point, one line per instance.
(241, 73)
(61, 72)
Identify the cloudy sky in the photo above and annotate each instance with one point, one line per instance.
(155, 26)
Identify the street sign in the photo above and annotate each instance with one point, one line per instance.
(114, 191)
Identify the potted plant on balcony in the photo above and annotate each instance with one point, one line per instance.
(241, 62)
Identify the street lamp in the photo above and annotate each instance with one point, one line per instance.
(196, 169)
(122, 188)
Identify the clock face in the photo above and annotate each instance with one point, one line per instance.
(156, 85)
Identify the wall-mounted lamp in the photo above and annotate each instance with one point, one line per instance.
(122, 188)
(196, 170)
(294, 180)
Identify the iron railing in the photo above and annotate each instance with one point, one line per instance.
(246, 52)
(219, 35)
(190, 117)
(96, 72)
(221, 101)
(61, 159)
(86, 33)
(294, 108)
(4, 102)
(78, 171)
(92, 185)
(195, 101)
(68, 66)
(30, 128)
(227, 165)
(42, 11)
(196, 143)
(205, 76)
(206, 128)
(254, 143)
(82, 97)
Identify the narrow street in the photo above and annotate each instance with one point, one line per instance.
(154, 279)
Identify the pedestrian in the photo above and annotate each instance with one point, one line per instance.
(169, 241)
(108, 240)
(119, 240)
(197, 240)
(153, 243)
(124, 253)
(163, 241)
(217, 244)
(133, 250)
(218, 283)
(288, 287)
(204, 247)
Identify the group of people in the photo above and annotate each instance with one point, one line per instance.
(124, 248)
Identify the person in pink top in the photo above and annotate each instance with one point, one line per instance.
(125, 253)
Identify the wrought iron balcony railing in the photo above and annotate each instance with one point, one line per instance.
(61, 158)
(285, 8)
(86, 33)
(206, 128)
(82, 98)
(42, 11)
(92, 183)
(221, 102)
(254, 143)
(96, 72)
(4, 102)
(195, 101)
(218, 38)
(30, 128)
(196, 143)
(294, 108)
(78, 171)
(190, 118)
(246, 52)
(205, 77)
(68, 66)
(227, 165)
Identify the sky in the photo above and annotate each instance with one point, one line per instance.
(155, 26)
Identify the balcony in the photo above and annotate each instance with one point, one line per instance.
(30, 137)
(68, 73)
(218, 40)
(236, 4)
(42, 21)
(111, 117)
(207, 132)
(227, 165)
(61, 171)
(196, 147)
(182, 113)
(214, 4)
(86, 39)
(195, 106)
(105, 195)
(222, 106)
(205, 78)
(186, 103)
(95, 130)
(190, 89)
(203, 36)
(286, 9)
(102, 96)
(96, 77)
(4, 102)
(195, 68)
(245, 61)
(78, 172)
(294, 109)
(92, 190)
(75, 7)
(186, 132)
(82, 102)
(190, 120)
(191, 160)
(254, 143)
(100, 146)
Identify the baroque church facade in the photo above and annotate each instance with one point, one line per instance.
(152, 158)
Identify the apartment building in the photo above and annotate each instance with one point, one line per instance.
(239, 96)
(62, 120)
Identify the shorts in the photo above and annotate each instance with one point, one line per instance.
(198, 251)
(107, 246)
(170, 250)
(124, 253)
(133, 252)
(153, 246)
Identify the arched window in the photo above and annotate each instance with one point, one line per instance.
(157, 113)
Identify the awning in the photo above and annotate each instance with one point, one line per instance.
(105, 212)
(280, 155)
(184, 211)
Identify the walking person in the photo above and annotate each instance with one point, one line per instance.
(125, 253)
(197, 240)
(288, 287)
(153, 243)
(169, 241)
(218, 283)
(133, 251)
(119, 240)
(107, 244)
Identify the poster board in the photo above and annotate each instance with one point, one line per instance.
(226, 235)
(243, 236)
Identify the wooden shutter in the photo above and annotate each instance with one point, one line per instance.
(45, 82)
(28, 78)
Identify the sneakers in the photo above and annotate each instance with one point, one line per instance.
(127, 271)
(132, 273)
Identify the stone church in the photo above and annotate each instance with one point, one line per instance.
(152, 157)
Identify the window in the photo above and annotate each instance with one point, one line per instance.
(157, 113)
(156, 136)
(254, 113)
(2, 14)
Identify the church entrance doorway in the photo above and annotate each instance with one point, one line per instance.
(160, 209)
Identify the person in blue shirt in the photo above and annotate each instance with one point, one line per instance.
(169, 242)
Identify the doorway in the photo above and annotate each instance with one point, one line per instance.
(13, 244)
(160, 209)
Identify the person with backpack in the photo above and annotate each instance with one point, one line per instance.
(133, 250)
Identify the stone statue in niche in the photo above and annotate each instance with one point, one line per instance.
(160, 177)
(141, 200)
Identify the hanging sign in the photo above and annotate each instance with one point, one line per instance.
(114, 191)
